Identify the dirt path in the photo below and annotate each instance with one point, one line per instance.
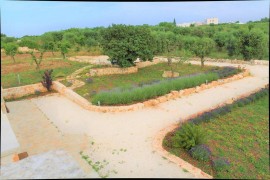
(123, 141)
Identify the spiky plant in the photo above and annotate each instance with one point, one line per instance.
(47, 79)
(188, 136)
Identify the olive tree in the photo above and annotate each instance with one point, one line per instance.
(202, 48)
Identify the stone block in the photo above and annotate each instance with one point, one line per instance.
(20, 156)
(162, 99)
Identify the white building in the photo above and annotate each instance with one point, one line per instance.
(212, 21)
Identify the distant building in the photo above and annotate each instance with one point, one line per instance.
(184, 24)
(212, 21)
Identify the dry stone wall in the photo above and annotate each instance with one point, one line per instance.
(113, 70)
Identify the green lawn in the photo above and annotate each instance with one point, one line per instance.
(242, 137)
(144, 75)
(31, 76)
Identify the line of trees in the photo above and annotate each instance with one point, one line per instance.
(125, 43)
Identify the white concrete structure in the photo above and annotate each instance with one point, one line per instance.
(9, 143)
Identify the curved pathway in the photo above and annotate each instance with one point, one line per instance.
(124, 140)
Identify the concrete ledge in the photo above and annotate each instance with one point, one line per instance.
(20, 91)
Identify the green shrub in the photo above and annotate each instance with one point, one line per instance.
(137, 94)
(220, 164)
(200, 152)
(188, 136)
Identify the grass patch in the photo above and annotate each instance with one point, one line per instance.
(34, 76)
(240, 136)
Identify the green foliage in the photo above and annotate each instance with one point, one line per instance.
(188, 136)
(203, 48)
(11, 49)
(131, 95)
(126, 43)
(252, 44)
(64, 48)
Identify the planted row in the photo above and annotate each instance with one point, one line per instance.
(151, 91)
(207, 116)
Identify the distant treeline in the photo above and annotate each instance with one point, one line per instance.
(246, 41)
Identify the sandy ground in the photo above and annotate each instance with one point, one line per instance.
(124, 140)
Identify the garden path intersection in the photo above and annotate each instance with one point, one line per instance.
(119, 144)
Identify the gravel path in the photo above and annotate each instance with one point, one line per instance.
(122, 142)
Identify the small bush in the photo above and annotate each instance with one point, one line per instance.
(37, 92)
(220, 164)
(200, 152)
(89, 80)
(188, 136)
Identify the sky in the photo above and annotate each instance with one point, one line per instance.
(20, 18)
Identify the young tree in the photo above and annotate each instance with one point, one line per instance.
(64, 48)
(11, 49)
(124, 44)
(36, 60)
(203, 48)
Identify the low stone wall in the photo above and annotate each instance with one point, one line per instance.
(114, 70)
(143, 64)
(62, 89)
(235, 61)
(17, 92)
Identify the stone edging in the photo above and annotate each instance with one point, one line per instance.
(59, 87)
(158, 140)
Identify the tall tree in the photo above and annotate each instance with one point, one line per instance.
(124, 44)
(174, 22)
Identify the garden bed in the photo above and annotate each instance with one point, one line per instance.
(147, 75)
(237, 137)
(143, 92)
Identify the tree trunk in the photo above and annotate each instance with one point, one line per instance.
(13, 59)
(202, 62)
(52, 53)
